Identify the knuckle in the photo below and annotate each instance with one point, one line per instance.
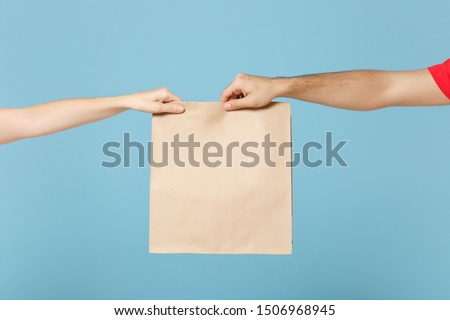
(241, 76)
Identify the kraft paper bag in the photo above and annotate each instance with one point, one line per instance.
(225, 203)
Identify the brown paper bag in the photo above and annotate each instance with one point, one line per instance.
(221, 203)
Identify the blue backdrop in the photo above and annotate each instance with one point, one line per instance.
(70, 229)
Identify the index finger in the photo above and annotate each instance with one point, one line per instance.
(231, 91)
(170, 96)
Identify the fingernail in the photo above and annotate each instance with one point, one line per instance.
(227, 106)
(180, 109)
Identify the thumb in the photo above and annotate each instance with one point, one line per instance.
(168, 108)
(237, 104)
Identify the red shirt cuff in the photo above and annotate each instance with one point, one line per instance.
(441, 74)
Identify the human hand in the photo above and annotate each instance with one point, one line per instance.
(247, 91)
(154, 101)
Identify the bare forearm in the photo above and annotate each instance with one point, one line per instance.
(61, 115)
(50, 117)
(358, 90)
(364, 89)
(354, 90)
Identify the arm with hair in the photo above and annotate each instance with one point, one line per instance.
(355, 90)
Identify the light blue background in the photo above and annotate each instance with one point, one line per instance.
(70, 229)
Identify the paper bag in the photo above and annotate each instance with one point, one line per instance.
(221, 201)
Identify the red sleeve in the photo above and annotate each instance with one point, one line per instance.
(441, 74)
